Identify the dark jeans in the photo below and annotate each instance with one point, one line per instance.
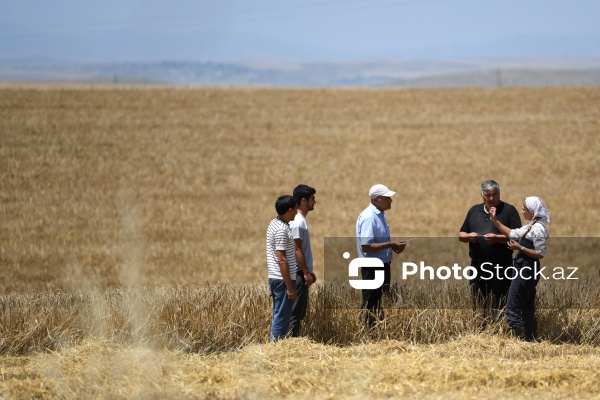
(490, 293)
(371, 308)
(300, 305)
(520, 306)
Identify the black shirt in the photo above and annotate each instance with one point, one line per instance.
(479, 221)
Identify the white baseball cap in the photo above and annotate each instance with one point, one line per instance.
(380, 190)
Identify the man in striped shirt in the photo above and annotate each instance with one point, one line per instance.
(281, 263)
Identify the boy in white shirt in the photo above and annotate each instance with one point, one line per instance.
(305, 197)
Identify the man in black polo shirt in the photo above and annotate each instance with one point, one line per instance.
(487, 246)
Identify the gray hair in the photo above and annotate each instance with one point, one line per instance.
(489, 185)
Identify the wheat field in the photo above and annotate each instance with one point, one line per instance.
(132, 238)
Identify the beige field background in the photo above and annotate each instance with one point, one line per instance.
(123, 209)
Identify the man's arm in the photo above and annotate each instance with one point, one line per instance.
(285, 273)
(470, 237)
(397, 246)
(302, 262)
(366, 231)
(492, 238)
(464, 234)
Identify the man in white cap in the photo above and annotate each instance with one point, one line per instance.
(373, 240)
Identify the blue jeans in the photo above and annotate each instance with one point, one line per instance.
(282, 309)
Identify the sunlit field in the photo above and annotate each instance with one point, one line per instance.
(133, 220)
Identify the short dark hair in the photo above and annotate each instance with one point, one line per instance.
(284, 203)
(303, 192)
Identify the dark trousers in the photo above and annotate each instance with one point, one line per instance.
(300, 305)
(520, 305)
(490, 293)
(371, 308)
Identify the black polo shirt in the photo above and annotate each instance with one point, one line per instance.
(479, 221)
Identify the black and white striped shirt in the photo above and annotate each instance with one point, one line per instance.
(279, 237)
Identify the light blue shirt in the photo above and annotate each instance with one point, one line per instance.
(372, 227)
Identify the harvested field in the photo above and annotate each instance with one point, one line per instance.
(129, 216)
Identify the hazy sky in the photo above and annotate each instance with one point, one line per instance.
(307, 30)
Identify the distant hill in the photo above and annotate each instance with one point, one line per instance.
(395, 73)
(505, 78)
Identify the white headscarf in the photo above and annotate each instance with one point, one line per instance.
(536, 206)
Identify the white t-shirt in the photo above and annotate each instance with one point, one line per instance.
(279, 237)
(300, 231)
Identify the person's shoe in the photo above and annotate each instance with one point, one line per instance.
(518, 332)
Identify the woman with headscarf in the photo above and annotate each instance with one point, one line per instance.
(530, 242)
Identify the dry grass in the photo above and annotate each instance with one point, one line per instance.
(473, 366)
(175, 186)
(227, 317)
(128, 216)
